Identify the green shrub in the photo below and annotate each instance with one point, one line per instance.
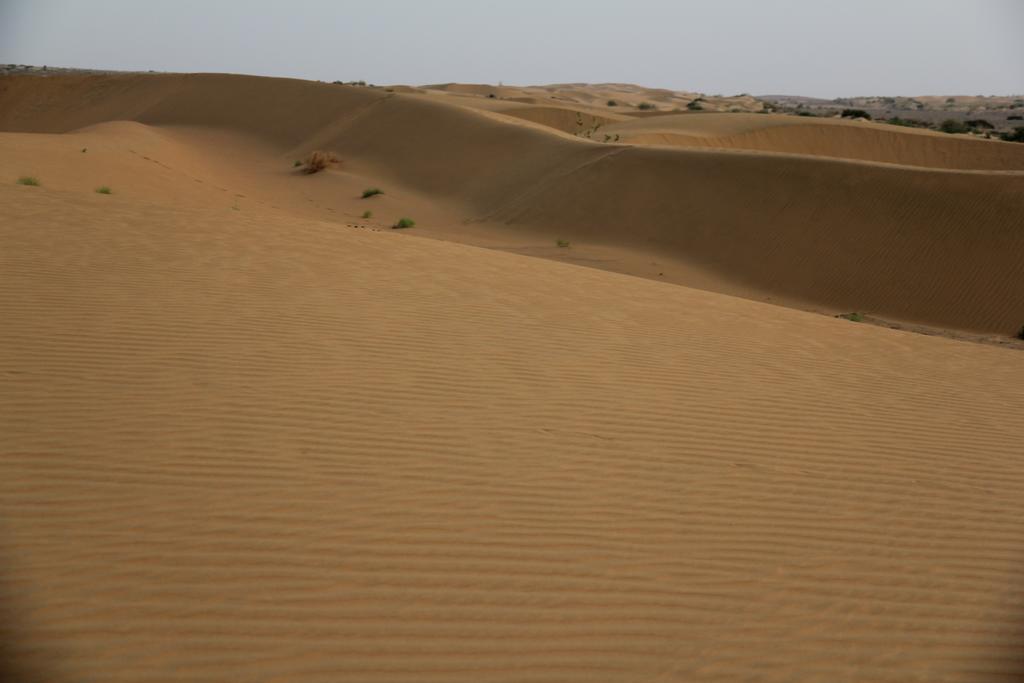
(806, 113)
(855, 114)
(28, 180)
(952, 126)
(403, 223)
(297, 164)
(695, 105)
(372, 192)
(103, 189)
(612, 103)
(853, 317)
(908, 123)
(645, 106)
(562, 243)
(1016, 136)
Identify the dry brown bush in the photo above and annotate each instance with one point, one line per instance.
(318, 161)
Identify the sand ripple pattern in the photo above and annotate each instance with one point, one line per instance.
(241, 450)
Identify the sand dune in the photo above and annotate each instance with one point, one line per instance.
(239, 445)
(574, 120)
(913, 243)
(618, 98)
(247, 434)
(823, 137)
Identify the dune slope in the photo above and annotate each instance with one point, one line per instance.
(926, 245)
(241, 446)
(824, 137)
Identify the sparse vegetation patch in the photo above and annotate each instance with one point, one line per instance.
(852, 317)
(28, 180)
(318, 161)
(645, 106)
(908, 123)
(103, 189)
(403, 223)
(367, 214)
(372, 192)
(564, 244)
(1016, 136)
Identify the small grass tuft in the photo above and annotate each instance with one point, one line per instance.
(852, 317)
(367, 214)
(372, 192)
(103, 189)
(28, 180)
(403, 223)
(564, 244)
(298, 162)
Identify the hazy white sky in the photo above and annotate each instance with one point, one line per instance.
(824, 48)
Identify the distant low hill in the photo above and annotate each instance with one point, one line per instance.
(982, 113)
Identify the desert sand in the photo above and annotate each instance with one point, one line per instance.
(247, 434)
